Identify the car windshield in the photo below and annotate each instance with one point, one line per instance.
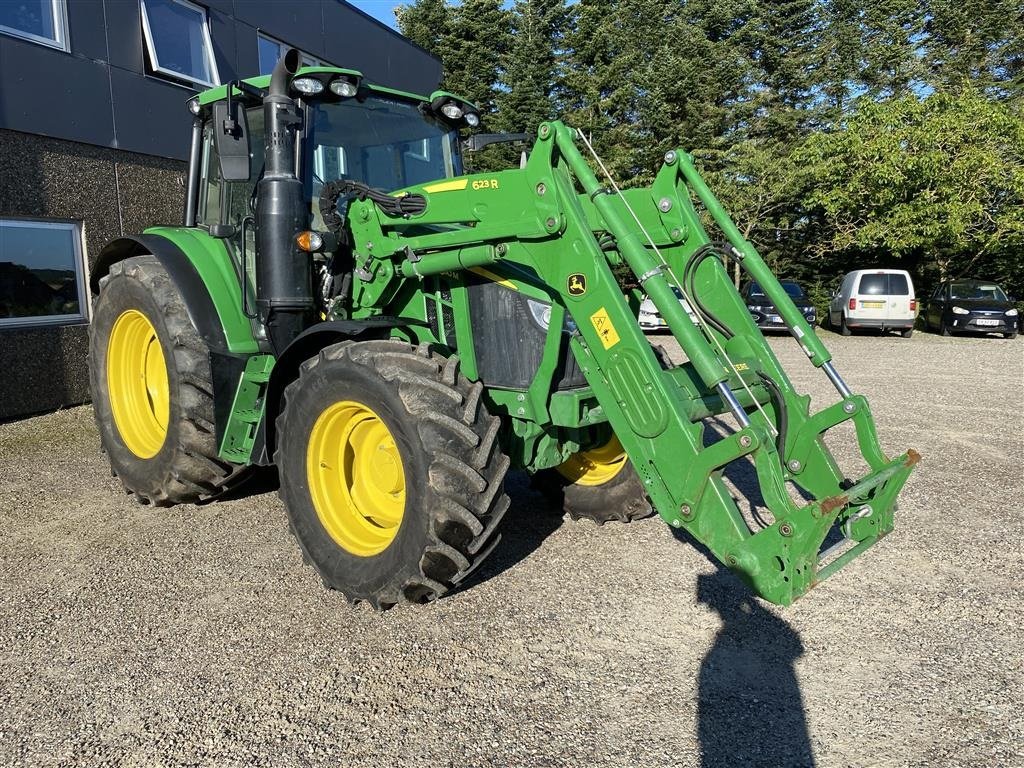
(793, 289)
(384, 142)
(972, 290)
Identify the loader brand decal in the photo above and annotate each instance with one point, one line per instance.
(576, 284)
(485, 184)
(605, 329)
(447, 186)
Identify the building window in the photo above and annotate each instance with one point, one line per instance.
(272, 50)
(41, 21)
(178, 41)
(42, 273)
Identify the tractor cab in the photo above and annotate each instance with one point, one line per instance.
(329, 126)
(350, 129)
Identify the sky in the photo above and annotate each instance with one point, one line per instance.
(382, 10)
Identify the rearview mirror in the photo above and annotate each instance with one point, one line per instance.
(231, 138)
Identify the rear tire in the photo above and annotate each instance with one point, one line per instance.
(906, 334)
(390, 535)
(843, 327)
(616, 495)
(159, 435)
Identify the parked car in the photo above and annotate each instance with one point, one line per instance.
(972, 305)
(764, 312)
(651, 320)
(874, 298)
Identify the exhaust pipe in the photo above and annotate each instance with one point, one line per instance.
(284, 286)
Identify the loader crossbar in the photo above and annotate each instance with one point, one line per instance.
(557, 220)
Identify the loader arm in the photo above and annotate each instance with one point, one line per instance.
(556, 220)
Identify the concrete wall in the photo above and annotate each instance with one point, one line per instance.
(112, 193)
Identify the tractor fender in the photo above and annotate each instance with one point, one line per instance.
(304, 346)
(204, 273)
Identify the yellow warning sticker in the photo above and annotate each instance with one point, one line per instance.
(605, 329)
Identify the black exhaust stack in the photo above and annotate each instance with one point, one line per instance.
(284, 288)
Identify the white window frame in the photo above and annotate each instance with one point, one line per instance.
(423, 155)
(154, 59)
(60, 29)
(308, 60)
(81, 271)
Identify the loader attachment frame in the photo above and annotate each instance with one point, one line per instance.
(556, 220)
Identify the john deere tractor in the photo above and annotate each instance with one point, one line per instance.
(345, 303)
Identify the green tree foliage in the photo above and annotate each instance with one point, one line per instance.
(527, 95)
(977, 45)
(875, 131)
(935, 184)
(427, 23)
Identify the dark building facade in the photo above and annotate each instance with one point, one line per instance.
(94, 133)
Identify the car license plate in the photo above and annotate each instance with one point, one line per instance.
(872, 304)
(986, 322)
(774, 319)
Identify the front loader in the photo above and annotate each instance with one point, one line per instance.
(345, 303)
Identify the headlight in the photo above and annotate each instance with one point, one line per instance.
(307, 86)
(1011, 313)
(344, 88)
(193, 106)
(472, 119)
(541, 312)
(451, 110)
(960, 311)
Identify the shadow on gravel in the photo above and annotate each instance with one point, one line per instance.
(530, 519)
(749, 708)
(257, 482)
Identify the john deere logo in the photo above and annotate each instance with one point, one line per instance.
(577, 284)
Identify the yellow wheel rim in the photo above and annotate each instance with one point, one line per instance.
(596, 466)
(356, 479)
(137, 384)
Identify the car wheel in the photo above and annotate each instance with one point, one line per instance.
(906, 334)
(1010, 335)
(944, 329)
(844, 329)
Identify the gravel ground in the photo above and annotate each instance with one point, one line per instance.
(195, 636)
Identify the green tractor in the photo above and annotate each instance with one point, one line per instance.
(345, 303)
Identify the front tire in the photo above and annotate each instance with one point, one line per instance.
(598, 484)
(390, 470)
(149, 370)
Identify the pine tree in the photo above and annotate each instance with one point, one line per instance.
(426, 23)
(473, 50)
(976, 44)
(530, 73)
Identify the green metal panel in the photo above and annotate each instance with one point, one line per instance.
(247, 410)
(216, 268)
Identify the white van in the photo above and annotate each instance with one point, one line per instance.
(874, 298)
